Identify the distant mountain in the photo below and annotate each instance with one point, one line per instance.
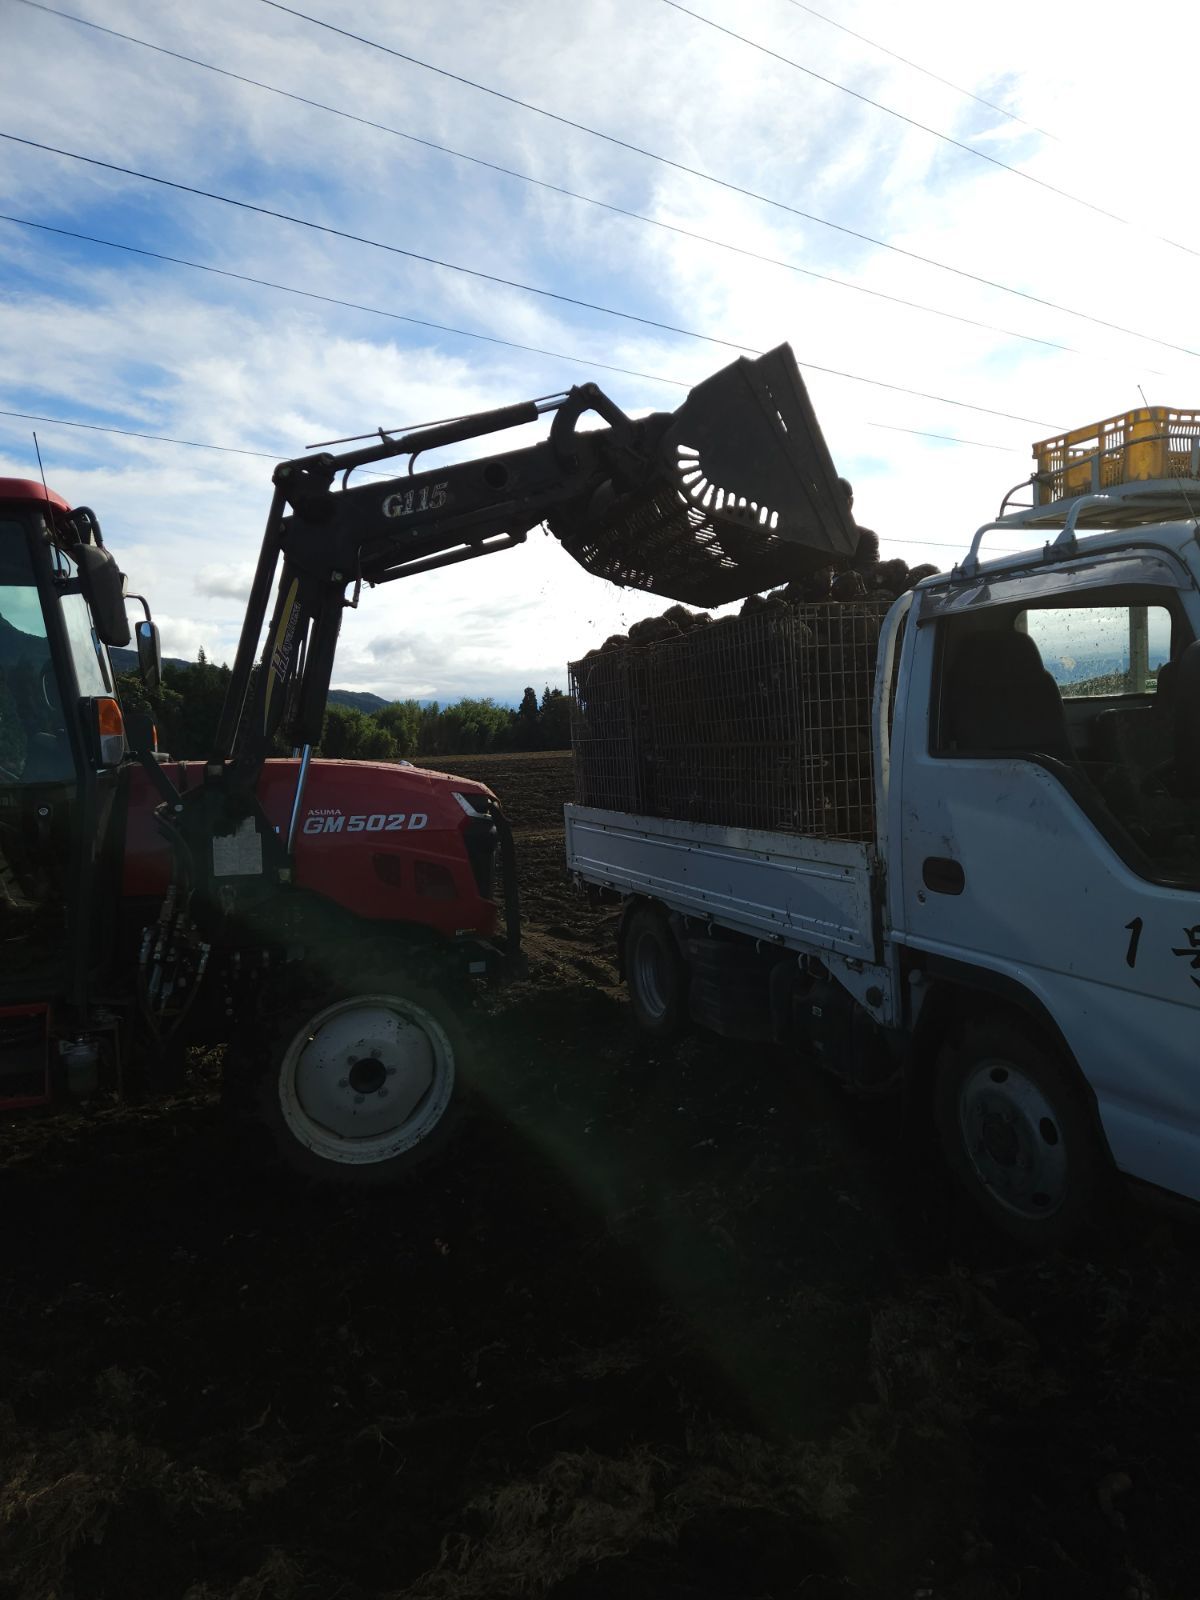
(358, 700)
(126, 660)
(16, 646)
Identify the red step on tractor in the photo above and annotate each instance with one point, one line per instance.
(324, 920)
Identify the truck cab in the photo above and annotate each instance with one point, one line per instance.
(1041, 827)
(952, 848)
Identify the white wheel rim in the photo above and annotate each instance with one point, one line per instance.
(366, 1079)
(1014, 1139)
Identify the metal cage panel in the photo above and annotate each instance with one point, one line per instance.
(761, 721)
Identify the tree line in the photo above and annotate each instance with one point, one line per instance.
(186, 708)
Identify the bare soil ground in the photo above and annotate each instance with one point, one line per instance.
(674, 1323)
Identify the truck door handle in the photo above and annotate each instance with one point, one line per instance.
(943, 875)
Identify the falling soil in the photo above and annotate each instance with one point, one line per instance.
(670, 1322)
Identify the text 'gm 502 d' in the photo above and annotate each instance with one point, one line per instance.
(376, 822)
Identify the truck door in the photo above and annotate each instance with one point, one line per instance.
(1045, 844)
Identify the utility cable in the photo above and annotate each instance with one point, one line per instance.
(722, 183)
(555, 188)
(133, 433)
(333, 300)
(948, 438)
(890, 111)
(379, 244)
(925, 71)
(339, 233)
(923, 127)
(228, 449)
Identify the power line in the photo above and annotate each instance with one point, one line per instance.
(133, 433)
(379, 244)
(333, 300)
(339, 233)
(723, 183)
(228, 449)
(923, 127)
(917, 67)
(555, 188)
(949, 438)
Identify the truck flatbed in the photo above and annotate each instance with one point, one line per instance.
(798, 892)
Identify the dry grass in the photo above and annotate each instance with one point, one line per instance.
(944, 1352)
(65, 1491)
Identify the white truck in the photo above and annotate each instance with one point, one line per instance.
(985, 888)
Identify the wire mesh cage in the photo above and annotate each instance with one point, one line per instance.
(761, 721)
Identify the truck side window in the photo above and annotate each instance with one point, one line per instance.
(996, 697)
(1095, 652)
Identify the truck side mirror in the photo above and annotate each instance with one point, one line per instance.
(149, 653)
(103, 585)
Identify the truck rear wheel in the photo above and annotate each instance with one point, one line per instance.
(656, 974)
(361, 1084)
(1018, 1135)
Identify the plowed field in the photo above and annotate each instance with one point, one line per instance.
(670, 1323)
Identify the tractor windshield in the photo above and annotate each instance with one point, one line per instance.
(33, 748)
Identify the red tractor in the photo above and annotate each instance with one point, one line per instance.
(325, 919)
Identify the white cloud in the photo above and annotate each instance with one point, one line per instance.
(118, 339)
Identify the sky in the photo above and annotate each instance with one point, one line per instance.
(1091, 112)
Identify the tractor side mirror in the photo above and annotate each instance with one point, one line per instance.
(103, 585)
(149, 654)
(140, 732)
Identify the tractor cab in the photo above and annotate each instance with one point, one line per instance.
(62, 740)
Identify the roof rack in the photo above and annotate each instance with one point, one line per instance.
(1123, 505)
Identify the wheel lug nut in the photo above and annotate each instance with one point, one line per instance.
(343, 1083)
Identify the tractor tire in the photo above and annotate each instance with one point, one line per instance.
(359, 1081)
(1018, 1135)
(656, 974)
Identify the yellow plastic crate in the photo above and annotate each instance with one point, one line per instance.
(1153, 442)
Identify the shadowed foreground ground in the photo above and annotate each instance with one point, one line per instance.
(681, 1324)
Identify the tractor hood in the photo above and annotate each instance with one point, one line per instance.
(386, 842)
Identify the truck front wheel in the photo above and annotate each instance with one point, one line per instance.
(1017, 1134)
(656, 973)
(361, 1085)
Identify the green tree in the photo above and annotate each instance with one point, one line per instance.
(188, 726)
(428, 729)
(402, 719)
(555, 720)
(471, 726)
(163, 705)
(527, 730)
(354, 736)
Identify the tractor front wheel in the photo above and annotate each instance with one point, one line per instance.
(361, 1085)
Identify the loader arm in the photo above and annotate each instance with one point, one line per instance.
(732, 493)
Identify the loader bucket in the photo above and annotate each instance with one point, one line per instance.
(739, 494)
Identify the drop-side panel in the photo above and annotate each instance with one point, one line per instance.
(800, 892)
